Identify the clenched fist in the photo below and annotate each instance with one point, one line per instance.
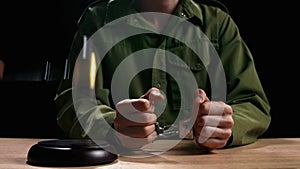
(135, 119)
(214, 121)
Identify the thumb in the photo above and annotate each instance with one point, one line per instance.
(200, 96)
(153, 94)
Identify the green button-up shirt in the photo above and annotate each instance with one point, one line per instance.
(243, 90)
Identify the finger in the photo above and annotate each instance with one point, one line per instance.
(138, 131)
(224, 121)
(133, 105)
(135, 119)
(153, 94)
(214, 132)
(199, 99)
(131, 142)
(215, 108)
(142, 104)
(201, 96)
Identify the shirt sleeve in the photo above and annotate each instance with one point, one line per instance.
(245, 94)
(95, 120)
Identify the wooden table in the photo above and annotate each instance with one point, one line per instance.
(265, 153)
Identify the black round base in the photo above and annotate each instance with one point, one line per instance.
(69, 152)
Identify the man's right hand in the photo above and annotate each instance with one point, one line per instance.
(135, 118)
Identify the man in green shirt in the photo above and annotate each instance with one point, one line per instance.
(216, 101)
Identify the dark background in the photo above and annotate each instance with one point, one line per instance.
(34, 33)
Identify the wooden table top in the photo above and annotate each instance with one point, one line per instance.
(265, 153)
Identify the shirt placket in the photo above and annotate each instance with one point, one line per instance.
(159, 76)
(159, 79)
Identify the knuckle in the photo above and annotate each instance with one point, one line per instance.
(148, 118)
(142, 105)
(228, 109)
(206, 132)
(146, 131)
(201, 120)
(227, 133)
(229, 122)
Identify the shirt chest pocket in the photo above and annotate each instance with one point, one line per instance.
(187, 70)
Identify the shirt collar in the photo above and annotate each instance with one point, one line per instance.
(119, 8)
(186, 9)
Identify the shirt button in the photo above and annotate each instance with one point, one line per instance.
(158, 85)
